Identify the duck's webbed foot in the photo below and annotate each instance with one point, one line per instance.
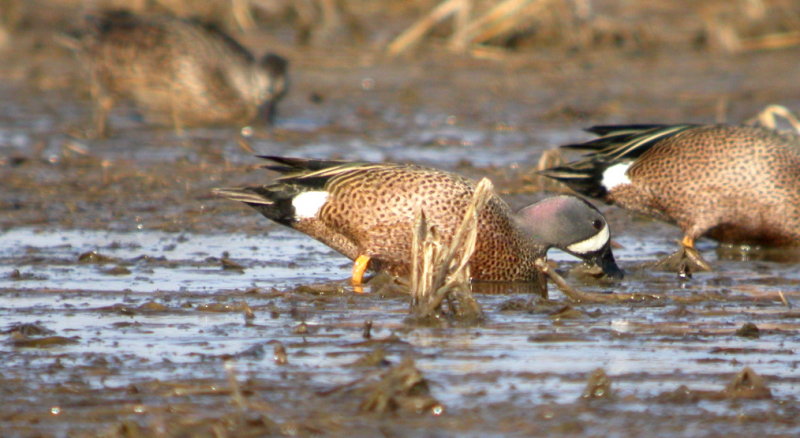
(685, 260)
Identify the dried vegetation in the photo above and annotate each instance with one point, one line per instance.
(440, 279)
(481, 27)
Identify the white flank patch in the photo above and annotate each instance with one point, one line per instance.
(616, 176)
(307, 204)
(591, 244)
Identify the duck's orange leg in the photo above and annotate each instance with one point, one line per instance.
(359, 268)
(685, 260)
(694, 260)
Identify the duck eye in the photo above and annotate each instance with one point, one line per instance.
(597, 224)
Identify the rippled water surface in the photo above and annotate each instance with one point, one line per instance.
(529, 357)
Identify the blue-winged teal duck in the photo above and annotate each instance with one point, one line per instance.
(735, 184)
(366, 212)
(179, 73)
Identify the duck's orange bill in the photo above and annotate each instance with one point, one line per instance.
(359, 268)
(687, 242)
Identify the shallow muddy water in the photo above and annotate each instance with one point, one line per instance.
(155, 308)
(133, 302)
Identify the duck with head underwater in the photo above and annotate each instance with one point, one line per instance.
(734, 183)
(366, 211)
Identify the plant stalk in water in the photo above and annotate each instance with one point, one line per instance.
(439, 273)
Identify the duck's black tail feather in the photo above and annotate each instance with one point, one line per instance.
(273, 201)
(584, 177)
(287, 165)
(299, 175)
(617, 143)
(315, 174)
(603, 130)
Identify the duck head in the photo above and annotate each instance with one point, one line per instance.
(572, 225)
(273, 82)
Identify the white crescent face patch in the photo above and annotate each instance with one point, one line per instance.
(307, 204)
(615, 176)
(591, 244)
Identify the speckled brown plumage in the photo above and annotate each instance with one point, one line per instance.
(375, 207)
(177, 72)
(736, 184)
(370, 210)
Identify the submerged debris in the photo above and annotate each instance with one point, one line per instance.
(249, 315)
(556, 337)
(94, 257)
(196, 424)
(683, 394)
(28, 329)
(235, 389)
(224, 307)
(301, 329)
(117, 270)
(679, 311)
(385, 285)
(19, 340)
(16, 275)
(127, 310)
(748, 330)
(328, 288)
(376, 357)
(230, 265)
(403, 387)
(567, 312)
(515, 305)
(367, 333)
(536, 304)
(578, 296)
(152, 307)
(257, 352)
(598, 387)
(279, 353)
(747, 385)
(784, 300)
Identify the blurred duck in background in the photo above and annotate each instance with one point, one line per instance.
(178, 73)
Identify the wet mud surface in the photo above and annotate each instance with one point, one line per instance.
(133, 303)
